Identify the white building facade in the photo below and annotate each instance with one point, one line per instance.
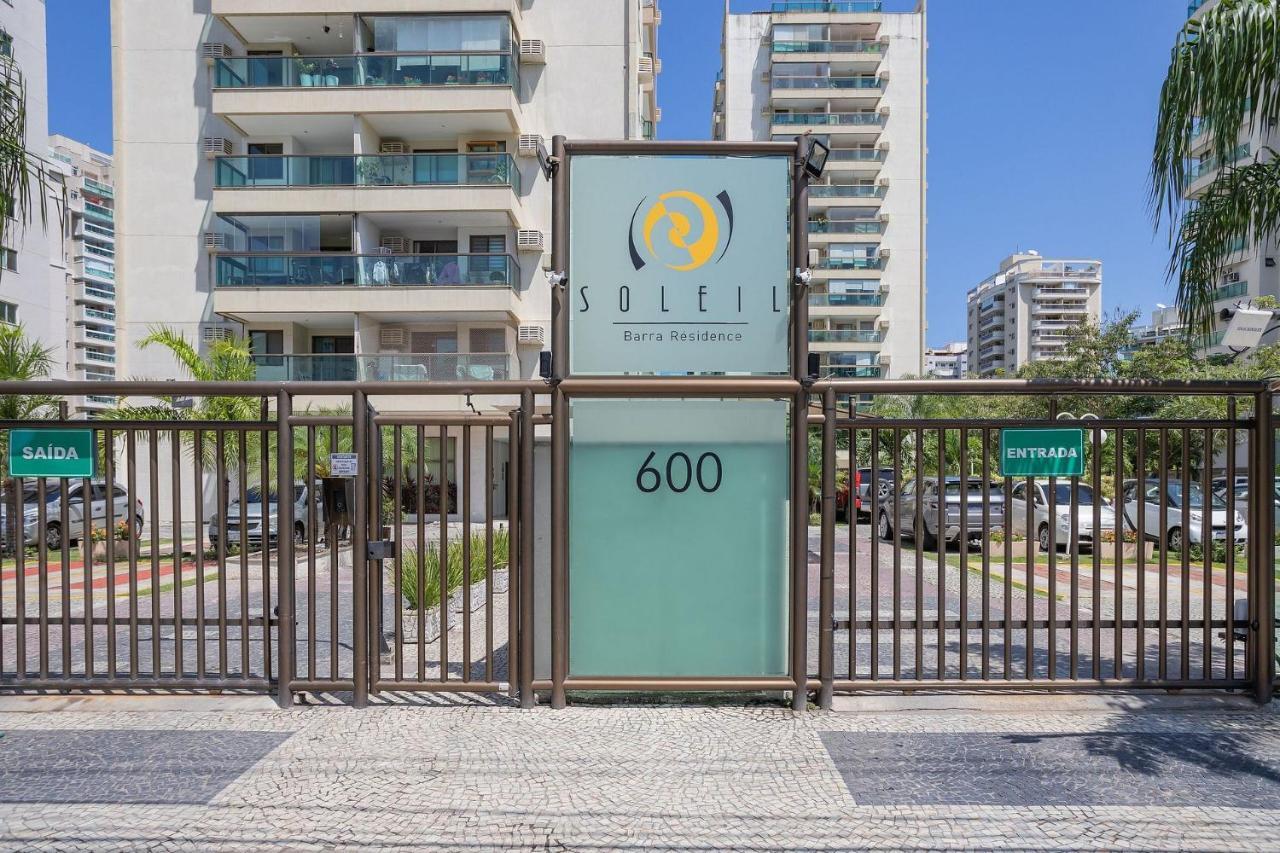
(852, 75)
(93, 289)
(950, 361)
(1024, 311)
(353, 185)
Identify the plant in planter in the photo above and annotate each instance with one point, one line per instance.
(307, 72)
(420, 580)
(98, 538)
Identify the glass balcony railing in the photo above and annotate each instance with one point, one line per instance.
(845, 336)
(99, 356)
(848, 264)
(870, 155)
(867, 119)
(834, 6)
(646, 128)
(846, 191)
(401, 367)
(1231, 291)
(104, 294)
(341, 270)
(367, 170)
(101, 189)
(844, 226)
(372, 69)
(846, 300)
(847, 372)
(816, 46)
(103, 316)
(97, 211)
(827, 83)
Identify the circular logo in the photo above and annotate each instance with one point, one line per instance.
(682, 230)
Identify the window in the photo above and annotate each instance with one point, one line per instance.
(266, 342)
(6, 43)
(488, 340)
(8, 313)
(9, 259)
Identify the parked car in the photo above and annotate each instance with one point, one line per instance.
(1171, 508)
(920, 498)
(1240, 499)
(124, 510)
(253, 532)
(863, 480)
(1066, 501)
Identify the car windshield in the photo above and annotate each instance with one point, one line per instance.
(1195, 497)
(1084, 495)
(975, 488)
(254, 496)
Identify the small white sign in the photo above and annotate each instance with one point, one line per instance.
(343, 464)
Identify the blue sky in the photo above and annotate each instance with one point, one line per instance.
(1040, 123)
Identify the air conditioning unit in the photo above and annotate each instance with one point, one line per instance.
(657, 113)
(883, 74)
(1231, 278)
(216, 146)
(395, 243)
(765, 76)
(210, 334)
(645, 64)
(213, 51)
(533, 51)
(529, 241)
(883, 182)
(884, 253)
(530, 335)
(884, 110)
(392, 337)
(815, 258)
(657, 65)
(383, 250)
(393, 146)
(657, 17)
(883, 146)
(214, 241)
(528, 145)
(884, 217)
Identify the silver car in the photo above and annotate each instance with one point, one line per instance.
(123, 510)
(919, 500)
(253, 519)
(1171, 508)
(1066, 502)
(1241, 497)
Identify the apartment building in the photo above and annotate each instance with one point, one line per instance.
(354, 185)
(33, 280)
(1250, 271)
(852, 75)
(949, 361)
(1165, 323)
(89, 242)
(1023, 312)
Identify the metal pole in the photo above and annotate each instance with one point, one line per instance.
(515, 631)
(526, 511)
(827, 593)
(1262, 567)
(559, 431)
(284, 538)
(799, 434)
(360, 549)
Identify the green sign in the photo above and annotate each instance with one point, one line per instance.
(678, 538)
(679, 264)
(1047, 452)
(51, 453)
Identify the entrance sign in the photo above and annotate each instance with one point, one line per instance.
(679, 265)
(51, 453)
(343, 464)
(678, 537)
(1052, 452)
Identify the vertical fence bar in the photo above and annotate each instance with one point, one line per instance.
(283, 531)
(242, 477)
(1032, 547)
(873, 492)
(20, 586)
(827, 581)
(1095, 548)
(1140, 491)
(1073, 546)
(515, 632)
(941, 541)
(1184, 572)
(175, 463)
(986, 551)
(443, 438)
(963, 546)
(526, 549)
(64, 574)
(1262, 566)
(1008, 568)
(287, 563)
(153, 590)
(198, 489)
(799, 549)
(135, 538)
(851, 517)
(1117, 594)
(311, 561)
(1162, 661)
(918, 545)
(488, 553)
(895, 542)
(464, 510)
(399, 557)
(87, 520)
(1229, 515)
(1051, 563)
(1229, 664)
(420, 577)
(360, 658)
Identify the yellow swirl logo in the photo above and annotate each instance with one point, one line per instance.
(681, 230)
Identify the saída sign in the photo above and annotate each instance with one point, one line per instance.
(679, 264)
(51, 453)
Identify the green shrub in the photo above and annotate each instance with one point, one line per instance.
(410, 564)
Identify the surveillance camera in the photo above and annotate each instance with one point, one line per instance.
(326, 29)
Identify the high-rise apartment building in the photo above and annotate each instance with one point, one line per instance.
(1250, 271)
(853, 76)
(89, 243)
(33, 288)
(949, 361)
(354, 185)
(1024, 311)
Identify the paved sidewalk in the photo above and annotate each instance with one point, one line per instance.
(946, 773)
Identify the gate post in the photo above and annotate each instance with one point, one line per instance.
(827, 588)
(360, 549)
(1262, 562)
(515, 633)
(800, 430)
(526, 550)
(284, 544)
(559, 431)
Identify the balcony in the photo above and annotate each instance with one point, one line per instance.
(845, 336)
(823, 196)
(1066, 293)
(835, 229)
(866, 86)
(95, 337)
(100, 189)
(849, 264)
(1231, 291)
(369, 183)
(829, 7)
(340, 270)
(857, 122)
(464, 92)
(384, 367)
(98, 294)
(99, 213)
(871, 50)
(89, 270)
(847, 372)
(85, 314)
(834, 303)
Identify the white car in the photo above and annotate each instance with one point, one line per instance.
(1065, 503)
(125, 510)
(1170, 527)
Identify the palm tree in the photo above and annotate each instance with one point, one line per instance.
(1224, 73)
(23, 174)
(21, 359)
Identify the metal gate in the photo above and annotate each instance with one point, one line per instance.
(210, 555)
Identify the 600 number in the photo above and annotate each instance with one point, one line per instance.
(681, 473)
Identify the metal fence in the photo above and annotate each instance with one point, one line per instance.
(174, 567)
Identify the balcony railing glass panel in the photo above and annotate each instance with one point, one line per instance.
(382, 367)
(340, 270)
(368, 170)
(485, 68)
(845, 336)
(829, 119)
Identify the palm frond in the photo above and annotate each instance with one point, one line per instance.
(27, 182)
(181, 349)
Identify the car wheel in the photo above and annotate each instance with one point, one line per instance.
(300, 533)
(1043, 537)
(137, 527)
(1175, 539)
(53, 536)
(884, 528)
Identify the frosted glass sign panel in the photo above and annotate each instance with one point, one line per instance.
(679, 264)
(678, 538)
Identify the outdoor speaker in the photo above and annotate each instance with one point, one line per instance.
(544, 364)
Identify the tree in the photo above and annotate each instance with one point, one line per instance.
(21, 359)
(1224, 71)
(23, 174)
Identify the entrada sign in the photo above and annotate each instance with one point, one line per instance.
(1042, 452)
(679, 264)
(51, 453)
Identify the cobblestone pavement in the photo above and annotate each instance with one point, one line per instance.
(689, 778)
